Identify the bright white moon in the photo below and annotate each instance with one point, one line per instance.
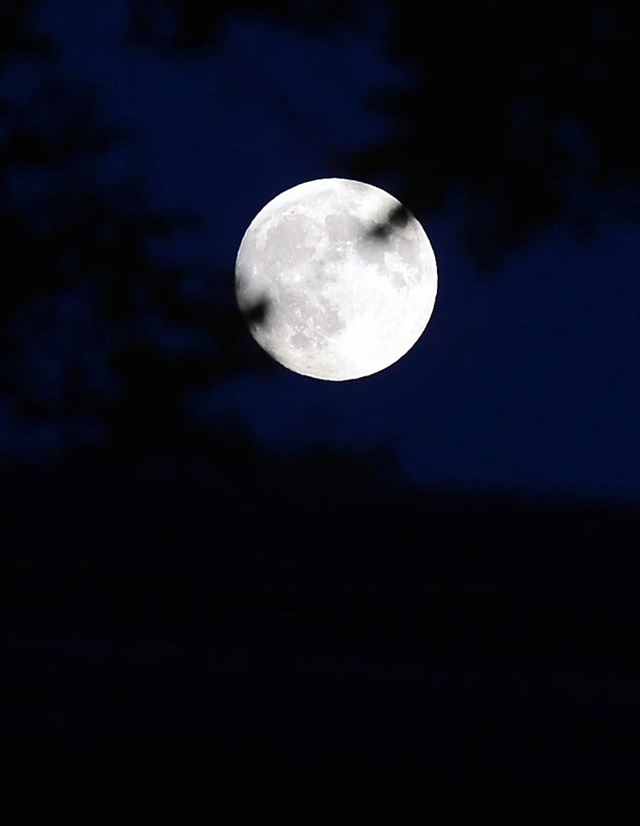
(336, 279)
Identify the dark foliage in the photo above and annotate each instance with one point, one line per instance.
(524, 111)
(106, 346)
(521, 115)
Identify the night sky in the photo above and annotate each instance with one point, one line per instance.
(525, 380)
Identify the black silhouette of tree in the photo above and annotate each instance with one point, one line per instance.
(522, 113)
(86, 305)
(101, 337)
(183, 26)
(105, 341)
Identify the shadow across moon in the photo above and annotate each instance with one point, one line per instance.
(257, 313)
(397, 217)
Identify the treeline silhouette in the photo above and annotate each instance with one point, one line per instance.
(516, 114)
(110, 346)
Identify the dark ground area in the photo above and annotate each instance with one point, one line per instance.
(404, 651)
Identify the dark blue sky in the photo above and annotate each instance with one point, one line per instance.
(524, 381)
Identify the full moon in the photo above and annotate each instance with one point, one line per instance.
(336, 279)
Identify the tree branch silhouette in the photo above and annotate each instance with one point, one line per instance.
(521, 112)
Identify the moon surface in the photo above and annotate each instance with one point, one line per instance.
(336, 279)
